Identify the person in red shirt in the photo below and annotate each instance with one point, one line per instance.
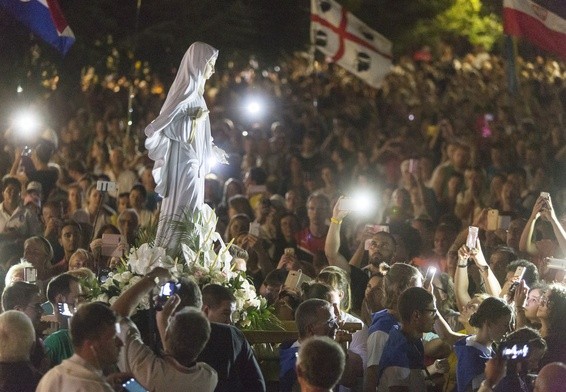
(312, 238)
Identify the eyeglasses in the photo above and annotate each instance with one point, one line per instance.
(332, 323)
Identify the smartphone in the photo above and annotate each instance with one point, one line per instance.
(492, 219)
(30, 275)
(514, 352)
(430, 272)
(555, 263)
(374, 229)
(103, 275)
(472, 237)
(295, 279)
(106, 186)
(166, 291)
(110, 244)
(518, 275)
(254, 229)
(346, 204)
(546, 197)
(64, 309)
(132, 385)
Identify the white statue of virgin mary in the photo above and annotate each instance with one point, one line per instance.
(180, 143)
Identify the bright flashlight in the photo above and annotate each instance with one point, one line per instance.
(26, 122)
(361, 202)
(212, 161)
(254, 108)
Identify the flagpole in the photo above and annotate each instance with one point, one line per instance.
(131, 92)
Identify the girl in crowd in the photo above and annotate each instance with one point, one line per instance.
(238, 224)
(337, 279)
(551, 313)
(493, 321)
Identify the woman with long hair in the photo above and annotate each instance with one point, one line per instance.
(492, 320)
(552, 315)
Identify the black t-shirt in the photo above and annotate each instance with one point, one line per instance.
(230, 354)
(358, 282)
(47, 179)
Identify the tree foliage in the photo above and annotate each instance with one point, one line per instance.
(467, 19)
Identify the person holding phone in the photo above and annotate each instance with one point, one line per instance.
(492, 320)
(184, 334)
(63, 292)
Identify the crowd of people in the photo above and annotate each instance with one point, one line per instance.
(441, 147)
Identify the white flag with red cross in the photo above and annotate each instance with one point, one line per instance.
(349, 42)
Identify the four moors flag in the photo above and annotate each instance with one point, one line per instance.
(44, 18)
(543, 22)
(349, 42)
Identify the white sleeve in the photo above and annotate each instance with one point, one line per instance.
(375, 344)
(137, 358)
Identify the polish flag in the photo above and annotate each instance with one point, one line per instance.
(543, 22)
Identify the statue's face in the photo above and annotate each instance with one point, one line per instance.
(209, 68)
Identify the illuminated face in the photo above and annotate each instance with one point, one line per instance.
(35, 252)
(221, 314)
(381, 249)
(209, 68)
(70, 238)
(11, 194)
(532, 304)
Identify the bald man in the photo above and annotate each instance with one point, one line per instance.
(551, 378)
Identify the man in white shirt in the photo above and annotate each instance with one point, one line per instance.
(95, 339)
(184, 336)
(16, 221)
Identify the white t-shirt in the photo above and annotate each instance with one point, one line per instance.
(156, 373)
(74, 375)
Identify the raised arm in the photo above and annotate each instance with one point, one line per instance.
(446, 333)
(492, 285)
(129, 299)
(332, 244)
(549, 214)
(526, 243)
(461, 280)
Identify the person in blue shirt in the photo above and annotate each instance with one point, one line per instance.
(401, 367)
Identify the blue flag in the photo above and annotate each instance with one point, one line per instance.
(44, 18)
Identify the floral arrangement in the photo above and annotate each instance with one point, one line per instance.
(201, 258)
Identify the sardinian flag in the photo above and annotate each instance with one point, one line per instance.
(543, 22)
(44, 18)
(349, 42)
